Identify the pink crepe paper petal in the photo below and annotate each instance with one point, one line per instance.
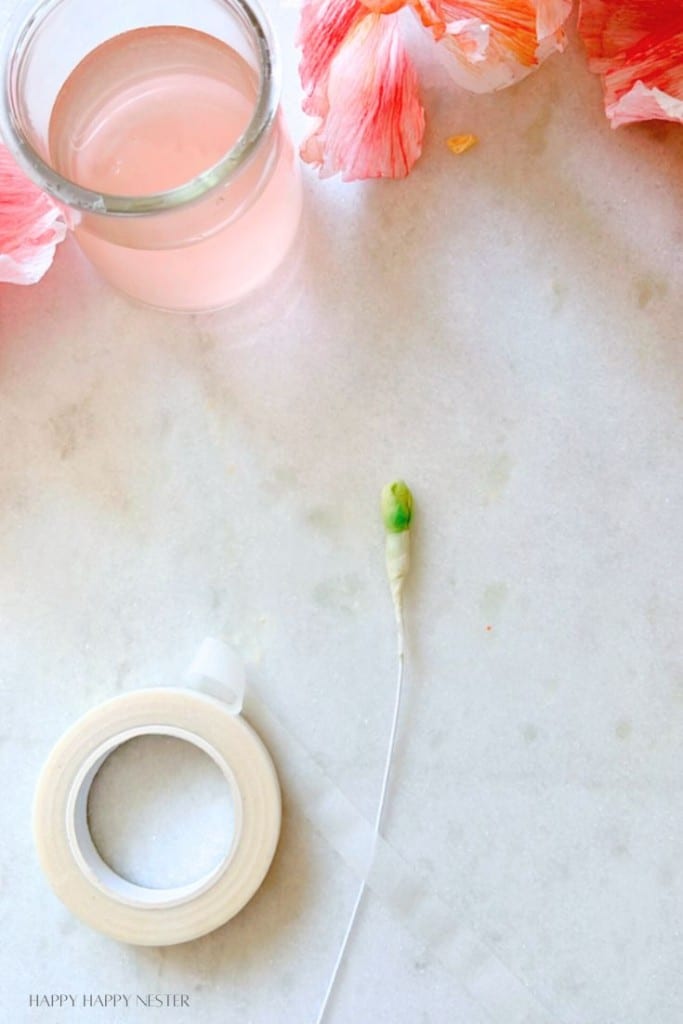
(490, 44)
(371, 119)
(637, 48)
(323, 28)
(31, 226)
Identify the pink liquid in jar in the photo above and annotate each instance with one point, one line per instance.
(148, 111)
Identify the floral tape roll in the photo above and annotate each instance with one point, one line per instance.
(70, 860)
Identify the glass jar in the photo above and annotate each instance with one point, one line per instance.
(156, 125)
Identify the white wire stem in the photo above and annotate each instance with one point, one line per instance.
(380, 808)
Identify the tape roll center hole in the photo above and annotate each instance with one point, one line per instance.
(160, 812)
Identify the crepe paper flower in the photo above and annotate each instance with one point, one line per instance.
(637, 48)
(397, 514)
(461, 143)
(360, 84)
(397, 559)
(31, 226)
(491, 44)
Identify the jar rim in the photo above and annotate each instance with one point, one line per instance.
(78, 197)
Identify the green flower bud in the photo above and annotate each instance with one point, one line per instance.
(397, 506)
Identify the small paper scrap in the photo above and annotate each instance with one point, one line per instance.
(461, 143)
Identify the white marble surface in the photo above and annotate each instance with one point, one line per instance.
(504, 330)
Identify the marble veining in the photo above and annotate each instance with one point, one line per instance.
(502, 330)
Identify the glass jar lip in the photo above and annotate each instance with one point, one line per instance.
(89, 200)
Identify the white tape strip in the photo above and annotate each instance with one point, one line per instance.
(425, 915)
(218, 671)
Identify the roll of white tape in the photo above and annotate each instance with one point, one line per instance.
(70, 860)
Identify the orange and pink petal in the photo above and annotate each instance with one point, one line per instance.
(637, 48)
(324, 26)
(489, 44)
(371, 118)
